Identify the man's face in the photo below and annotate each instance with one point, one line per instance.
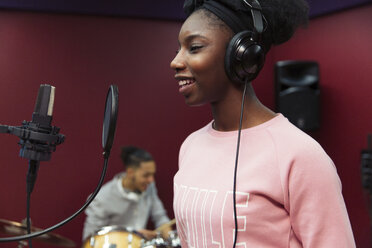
(142, 176)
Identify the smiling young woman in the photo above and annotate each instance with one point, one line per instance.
(199, 62)
(283, 190)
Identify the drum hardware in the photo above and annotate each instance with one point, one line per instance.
(159, 241)
(112, 246)
(130, 240)
(172, 242)
(92, 241)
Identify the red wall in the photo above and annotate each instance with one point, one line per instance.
(82, 55)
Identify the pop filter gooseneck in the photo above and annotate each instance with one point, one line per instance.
(108, 133)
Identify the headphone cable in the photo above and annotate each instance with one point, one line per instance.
(236, 161)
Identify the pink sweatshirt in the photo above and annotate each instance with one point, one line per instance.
(288, 191)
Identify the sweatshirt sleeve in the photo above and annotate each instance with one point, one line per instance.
(96, 217)
(158, 212)
(316, 206)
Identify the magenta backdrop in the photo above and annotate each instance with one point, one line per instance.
(82, 55)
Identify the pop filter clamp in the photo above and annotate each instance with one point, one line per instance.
(108, 134)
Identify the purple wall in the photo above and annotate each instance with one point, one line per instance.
(162, 9)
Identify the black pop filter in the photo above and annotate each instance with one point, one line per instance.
(109, 118)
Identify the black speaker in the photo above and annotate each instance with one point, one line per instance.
(297, 92)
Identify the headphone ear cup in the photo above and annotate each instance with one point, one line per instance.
(244, 57)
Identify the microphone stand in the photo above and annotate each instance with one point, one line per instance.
(33, 167)
(37, 142)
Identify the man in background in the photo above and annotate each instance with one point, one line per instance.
(129, 199)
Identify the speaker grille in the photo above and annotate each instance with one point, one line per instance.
(297, 93)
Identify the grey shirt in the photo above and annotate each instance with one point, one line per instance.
(115, 206)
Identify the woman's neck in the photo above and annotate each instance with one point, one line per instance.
(226, 114)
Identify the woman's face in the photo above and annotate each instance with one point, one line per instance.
(199, 63)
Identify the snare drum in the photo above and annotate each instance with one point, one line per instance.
(114, 237)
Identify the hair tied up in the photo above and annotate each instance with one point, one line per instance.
(190, 5)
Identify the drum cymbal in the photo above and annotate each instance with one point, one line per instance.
(16, 229)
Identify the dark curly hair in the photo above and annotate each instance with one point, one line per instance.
(282, 18)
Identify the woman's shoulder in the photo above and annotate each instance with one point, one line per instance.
(198, 133)
(194, 137)
(286, 136)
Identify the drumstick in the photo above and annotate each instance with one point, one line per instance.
(170, 223)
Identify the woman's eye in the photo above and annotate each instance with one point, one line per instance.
(194, 48)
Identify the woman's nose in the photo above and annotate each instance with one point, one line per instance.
(177, 63)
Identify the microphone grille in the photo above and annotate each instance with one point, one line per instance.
(45, 100)
(51, 100)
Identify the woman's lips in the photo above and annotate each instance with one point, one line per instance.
(186, 86)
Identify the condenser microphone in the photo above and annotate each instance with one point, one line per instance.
(38, 139)
(43, 136)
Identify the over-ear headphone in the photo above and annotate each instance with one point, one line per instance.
(244, 55)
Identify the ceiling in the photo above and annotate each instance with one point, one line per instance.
(158, 9)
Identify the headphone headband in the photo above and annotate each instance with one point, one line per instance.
(257, 17)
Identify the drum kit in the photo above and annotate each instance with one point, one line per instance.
(106, 237)
(122, 237)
